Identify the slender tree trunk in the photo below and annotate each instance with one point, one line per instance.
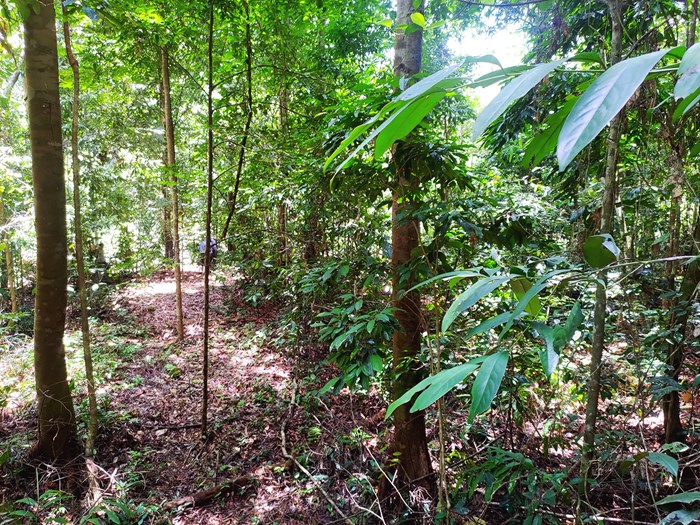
(8, 258)
(233, 196)
(57, 429)
(616, 9)
(80, 263)
(170, 163)
(671, 404)
(410, 440)
(692, 24)
(167, 220)
(207, 251)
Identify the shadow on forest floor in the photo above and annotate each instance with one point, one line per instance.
(149, 454)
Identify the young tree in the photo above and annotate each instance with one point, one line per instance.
(57, 428)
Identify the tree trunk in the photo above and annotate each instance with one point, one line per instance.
(673, 428)
(9, 267)
(692, 24)
(410, 440)
(233, 196)
(167, 220)
(616, 9)
(80, 263)
(207, 251)
(170, 164)
(57, 429)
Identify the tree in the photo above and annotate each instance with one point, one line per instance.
(57, 428)
(410, 441)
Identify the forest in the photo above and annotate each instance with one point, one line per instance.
(286, 262)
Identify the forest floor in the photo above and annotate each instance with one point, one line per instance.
(263, 390)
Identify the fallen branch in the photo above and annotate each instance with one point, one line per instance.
(288, 456)
(200, 498)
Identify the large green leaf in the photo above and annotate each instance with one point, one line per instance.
(685, 497)
(515, 89)
(600, 250)
(498, 76)
(425, 383)
(422, 86)
(689, 73)
(487, 325)
(664, 460)
(487, 383)
(601, 102)
(442, 383)
(520, 286)
(545, 142)
(471, 295)
(412, 116)
(527, 297)
(681, 517)
(556, 338)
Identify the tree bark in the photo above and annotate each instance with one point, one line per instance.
(207, 250)
(80, 263)
(410, 440)
(170, 164)
(9, 266)
(57, 428)
(616, 9)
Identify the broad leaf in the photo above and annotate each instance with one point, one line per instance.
(545, 142)
(471, 295)
(601, 102)
(487, 383)
(442, 383)
(665, 461)
(487, 325)
(515, 89)
(686, 105)
(412, 116)
(418, 19)
(455, 275)
(689, 73)
(428, 82)
(681, 517)
(600, 250)
(685, 497)
(520, 286)
(556, 338)
(498, 76)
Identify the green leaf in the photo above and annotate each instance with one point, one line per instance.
(685, 497)
(600, 250)
(328, 386)
(386, 23)
(549, 356)
(545, 142)
(604, 99)
(487, 325)
(376, 362)
(487, 383)
(442, 383)
(416, 4)
(515, 89)
(418, 19)
(498, 76)
(412, 116)
(588, 56)
(520, 286)
(427, 83)
(471, 295)
(694, 150)
(665, 461)
(681, 517)
(689, 73)
(488, 59)
(686, 105)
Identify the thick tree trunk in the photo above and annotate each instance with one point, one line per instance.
(692, 24)
(80, 263)
(616, 9)
(170, 163)
(410, 440)
(57, 428)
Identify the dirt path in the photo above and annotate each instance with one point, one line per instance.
(151, 437)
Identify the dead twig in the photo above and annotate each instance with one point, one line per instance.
(200, 498)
